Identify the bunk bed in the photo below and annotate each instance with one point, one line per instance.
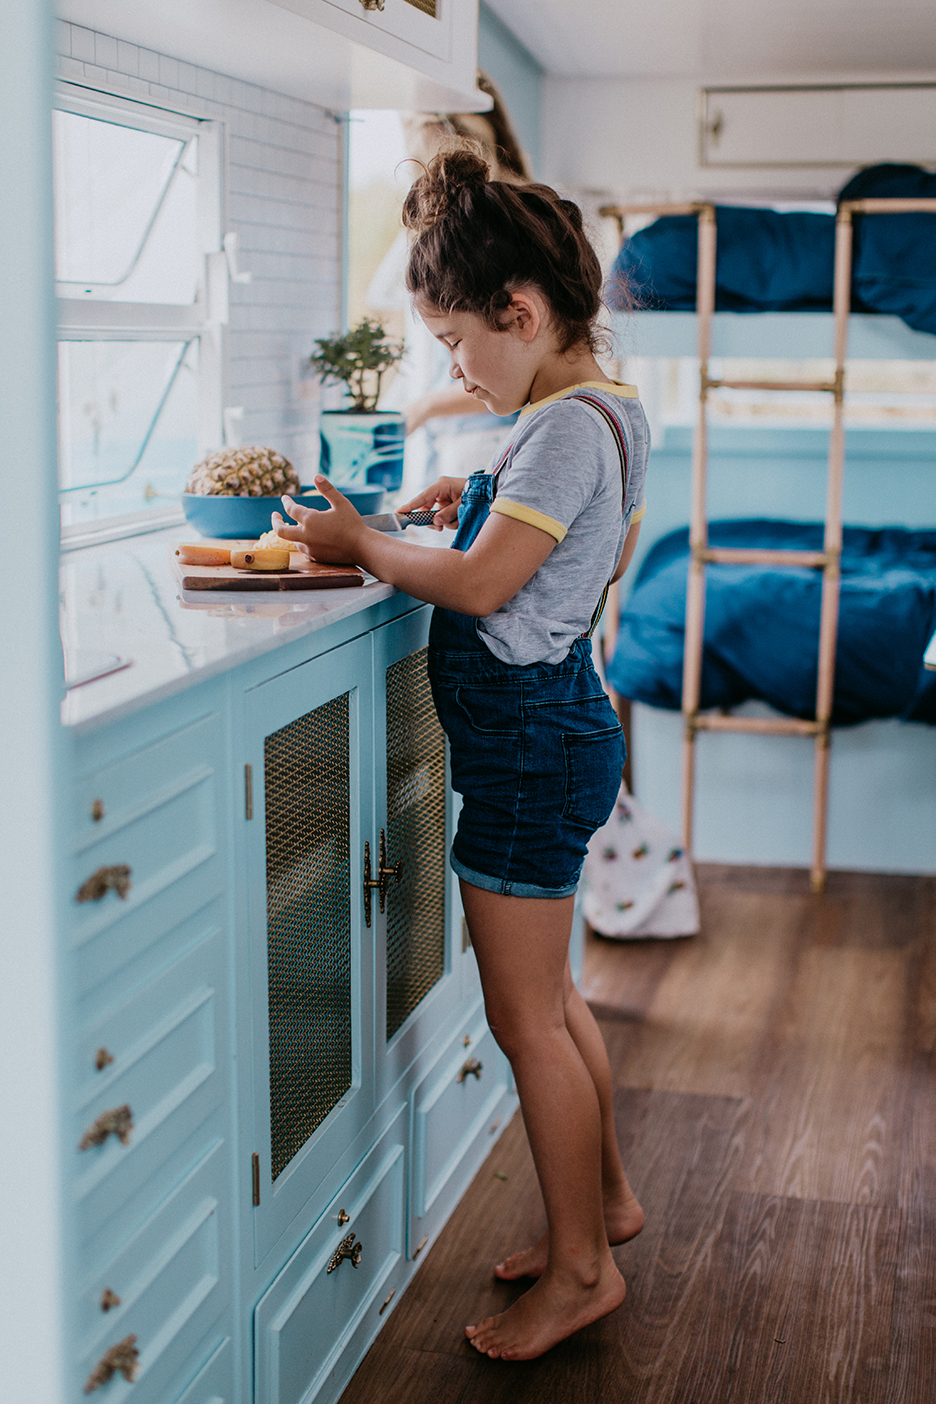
(780, 561)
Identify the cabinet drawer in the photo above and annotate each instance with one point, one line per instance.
(308, 1315)
(110, 796)
(163, 1041)
(214, 1383)
(451, 1108)
(169, 836)
(168, 1282)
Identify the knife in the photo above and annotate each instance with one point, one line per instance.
(398, 521)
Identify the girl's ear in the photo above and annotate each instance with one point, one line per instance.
(529, 313)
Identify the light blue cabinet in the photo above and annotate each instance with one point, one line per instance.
(272, 1055)
(150, 1164)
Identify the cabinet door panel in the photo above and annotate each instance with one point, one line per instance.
(416, 989)
(313, 1059)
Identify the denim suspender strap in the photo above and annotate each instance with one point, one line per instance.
(615, 428)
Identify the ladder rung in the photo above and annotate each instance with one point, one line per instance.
(765, 726)
(894, 205)
(754, 555)
(826, 386)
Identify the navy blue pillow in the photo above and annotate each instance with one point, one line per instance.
(765, 262)
(894, 268)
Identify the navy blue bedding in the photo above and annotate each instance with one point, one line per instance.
(762, 624)
(772, 262)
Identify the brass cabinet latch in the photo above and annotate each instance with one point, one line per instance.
(118, 1122)
(103, 881)
(373, 4)
(347, 1248)
(470, 1069)
(122, 1358)
(382, 881)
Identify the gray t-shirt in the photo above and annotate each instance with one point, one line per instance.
(563, 475)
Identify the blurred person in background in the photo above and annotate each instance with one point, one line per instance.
(461, 435)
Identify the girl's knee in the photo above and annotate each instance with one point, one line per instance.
(517, 1032)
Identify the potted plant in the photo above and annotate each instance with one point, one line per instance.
(361, 445)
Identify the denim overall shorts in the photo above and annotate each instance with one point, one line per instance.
(536, 750)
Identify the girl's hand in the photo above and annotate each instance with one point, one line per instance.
(444, 495)
(332, 536)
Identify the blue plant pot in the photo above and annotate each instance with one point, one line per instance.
(361, 450)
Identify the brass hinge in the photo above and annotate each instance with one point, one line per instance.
(248, 791)
(255, 1179)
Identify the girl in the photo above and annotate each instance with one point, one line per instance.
(504, 276)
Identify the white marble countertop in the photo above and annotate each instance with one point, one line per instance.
(122, 608)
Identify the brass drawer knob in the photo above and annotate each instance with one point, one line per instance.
(101, 882)
(122, 1359)
(373, 4)
(103, 1059)
(118, 1122)
(343, 1218)
(470, 1069)
(109, 1300)
(347, 1248)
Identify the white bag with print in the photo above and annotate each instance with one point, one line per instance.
(639, 881)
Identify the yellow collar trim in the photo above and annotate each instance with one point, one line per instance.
(613, 387)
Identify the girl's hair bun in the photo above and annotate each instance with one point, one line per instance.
(451, 182)
(477, 239)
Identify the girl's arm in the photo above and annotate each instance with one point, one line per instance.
(504, 556)
(630, 546)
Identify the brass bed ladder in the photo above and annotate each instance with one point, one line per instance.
(702, 554)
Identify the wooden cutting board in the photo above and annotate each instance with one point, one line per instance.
(313, 576)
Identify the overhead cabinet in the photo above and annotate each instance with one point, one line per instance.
(420, 54)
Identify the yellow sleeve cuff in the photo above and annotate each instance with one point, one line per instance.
(640, 513)
(528, 515)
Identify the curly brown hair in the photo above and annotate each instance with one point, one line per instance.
(476, 240)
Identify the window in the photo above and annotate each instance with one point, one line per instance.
(141, 281)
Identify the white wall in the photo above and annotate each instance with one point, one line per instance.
(638, 138)
(284, 185)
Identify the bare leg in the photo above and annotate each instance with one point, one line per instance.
(623, 1215)
(522, 947)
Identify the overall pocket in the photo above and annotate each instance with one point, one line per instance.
(594, 761)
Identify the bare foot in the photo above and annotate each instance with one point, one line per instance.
(554, 1308)
(623, 1220)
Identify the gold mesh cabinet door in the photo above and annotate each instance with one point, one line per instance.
(415, 838)
(308, 874)
(428, 7)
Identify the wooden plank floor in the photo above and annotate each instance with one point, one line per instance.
(776, 1108)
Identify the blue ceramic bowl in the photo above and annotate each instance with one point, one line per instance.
(250, 517)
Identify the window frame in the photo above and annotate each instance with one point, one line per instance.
(96, 318)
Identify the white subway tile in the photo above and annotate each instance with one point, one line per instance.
(105, 51)
(82, 43)
(148, 65)
(188, 78)
(168, 72)
(63, 37)
(128, 59)
(69, 67)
